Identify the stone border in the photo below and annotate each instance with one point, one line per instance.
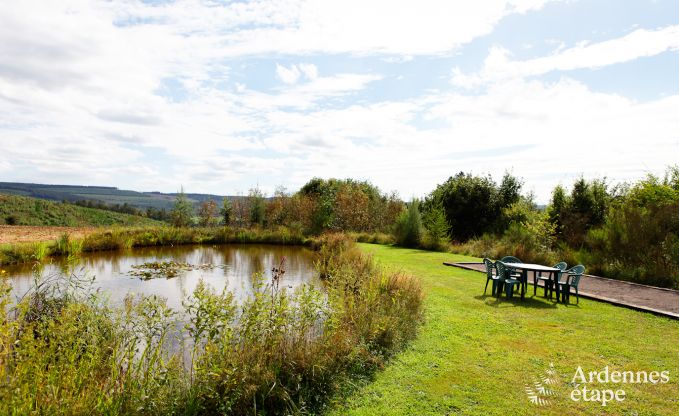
(594, 296)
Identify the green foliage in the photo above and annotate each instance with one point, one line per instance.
(257, 206)
(437, 229)
(64, 351)
(226, 211)
(585, 208)
(557, 208)
(473, 204)
(346, 205)
(182, 212)
(639, 240)
(456, 364)
(21, 210)
(408, 230)
(629, 233)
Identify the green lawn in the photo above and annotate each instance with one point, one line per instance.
(475, 355)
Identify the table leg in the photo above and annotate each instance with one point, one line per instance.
(556, 283)
(524, 283)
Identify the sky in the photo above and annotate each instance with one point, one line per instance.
(223, 96)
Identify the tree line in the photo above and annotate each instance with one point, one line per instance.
(628, 231)
(320, 205)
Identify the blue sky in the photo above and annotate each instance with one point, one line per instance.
(222, 96)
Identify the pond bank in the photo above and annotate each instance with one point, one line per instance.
(123, 238)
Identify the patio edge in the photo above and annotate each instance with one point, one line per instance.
(587, 295)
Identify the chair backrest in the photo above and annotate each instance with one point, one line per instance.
(510, 259)
(575, 273)
(502, 270)
(489, 267)
(561, 265)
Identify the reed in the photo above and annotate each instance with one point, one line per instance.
(64, 350)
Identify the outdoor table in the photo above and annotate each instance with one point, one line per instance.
(526, 267)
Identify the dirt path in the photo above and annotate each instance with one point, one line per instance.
(631, 295)
(25, 234)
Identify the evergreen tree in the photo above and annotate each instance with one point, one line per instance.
(182, 212)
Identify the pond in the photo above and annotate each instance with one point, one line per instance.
(118, 273)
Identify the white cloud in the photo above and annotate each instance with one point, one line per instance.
(307, 94)
(291, 75)
(640, 43)
(80, 98)
(397, 27)
(309, 70)
(288, 75)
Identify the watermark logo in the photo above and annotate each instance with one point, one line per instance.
(601, 386)
(586, 384)
(541, 390)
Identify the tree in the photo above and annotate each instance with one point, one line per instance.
(182, 212)
(278, 207)
(348, 205)
(241, 210)
(257, 206)
(557, 208)
(474, 205)
(437, 228)
(207, 212)
(408, 229)
(226, 212)
(585, 208)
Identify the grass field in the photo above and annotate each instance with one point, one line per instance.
(39, 212)
(476, 355)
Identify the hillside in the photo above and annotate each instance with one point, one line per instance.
(22, 210)
(108, 195)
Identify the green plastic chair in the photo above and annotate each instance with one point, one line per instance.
(512, 272)
(547, 280)
(508, 282)
(510, 259)
(573, 276)
(495, 278)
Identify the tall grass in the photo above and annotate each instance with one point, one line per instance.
(63, 350)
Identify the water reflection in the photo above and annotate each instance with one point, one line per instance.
(238, 264)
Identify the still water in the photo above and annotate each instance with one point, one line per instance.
(231, 266)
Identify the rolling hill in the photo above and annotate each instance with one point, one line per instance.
(23, 210)
(108, 195)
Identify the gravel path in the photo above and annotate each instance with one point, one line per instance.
(641, 297)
